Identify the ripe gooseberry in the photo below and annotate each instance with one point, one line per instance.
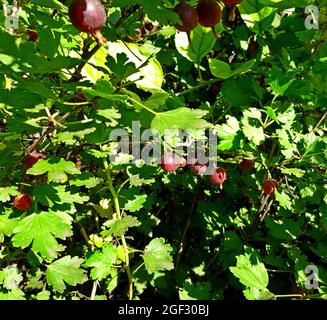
(32, 158)
(87, 15)
(246, 164)
(148, 26)
(188, 16)
(218, 177)
(78, 163)
(231, 2)
(215, 88)
(33, 35)
(22, 202)
(198, 168)
(253, 46)
(209, 13)
(269, 186)
(170, 162)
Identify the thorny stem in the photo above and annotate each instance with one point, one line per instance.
(259, 218)
(119, 217)
(315, 51)
(319, 122)
(200, 73)
(212, 260)
(86, 56)
(201, 85)
(187, 225)
(267, 209)
(139, 104)
(84, 234)
(288, 296)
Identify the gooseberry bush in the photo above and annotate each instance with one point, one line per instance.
(81, 217)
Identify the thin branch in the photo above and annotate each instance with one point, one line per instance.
(198, 87)
(86, 56)
(187, 225)
(322, 118)
(94, 290)
(123, 239)
(315, 52)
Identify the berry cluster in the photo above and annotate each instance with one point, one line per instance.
(207, 13)
(170, 162)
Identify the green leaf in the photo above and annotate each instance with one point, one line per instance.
(157, 256)
(11, 277)
(43, 295)
(136, 180)
(110, 114)
(67, 197)
(181, 118)
(223, 70)
(252, 127)
(70, 137)
(279, 80)
(120, 227)
(38, 88)
(257, 16)
(282, 4)
(231, 241)
(154, 9)
(42, 229)
(239, 92)
(286, 142)
(104, 89)
(135, 204)
(156, 100)
(56, 168)
(8, 44)
(15, 294)
(7, 225)
(101, 262)
(53, 65)
(299, 173)
(7, 192)
(283, 199)
(149, 75)
(195, 291)
(86, 179)
(202, 42)
(49, 41)
(252, 274)
(52, 4)
(229, 134)
(65, 270)
(51, 195)
(258, 294)
(121, 67)
(220, 69)
(284, 229)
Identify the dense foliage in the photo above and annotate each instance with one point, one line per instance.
(78, 223)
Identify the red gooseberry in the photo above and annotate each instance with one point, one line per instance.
(269, 186)
(22, 202)
(187, 15)
(87, 15)
(32, 158)
(218, 177)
